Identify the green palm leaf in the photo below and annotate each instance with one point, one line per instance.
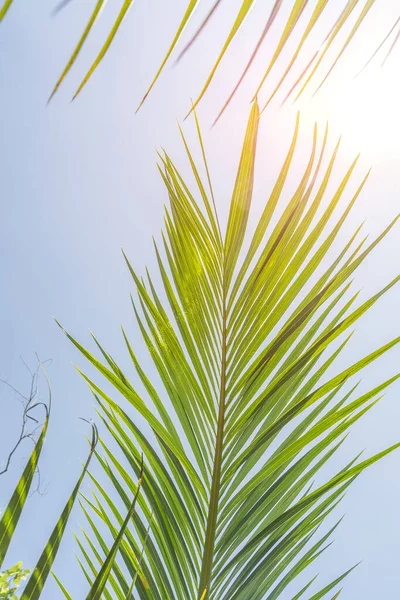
(82, 40)
(121, 16)
(301, 68)
(248, 407)
(67, 595)
(40, 573)
(5, 8)
(97, 588)
(13, 511)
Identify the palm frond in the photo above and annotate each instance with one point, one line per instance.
(302, 68)
(248, 408)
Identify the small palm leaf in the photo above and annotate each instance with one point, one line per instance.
(82, 40)
(247, 409)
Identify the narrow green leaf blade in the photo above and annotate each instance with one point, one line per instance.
(188, 13)
(242, 194)
(4, 9)
(16, 504)
(38, 578)
(62, 587)
(82, 40)
(100, 582)
(110, 38)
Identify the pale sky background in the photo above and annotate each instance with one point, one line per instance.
(78, 182)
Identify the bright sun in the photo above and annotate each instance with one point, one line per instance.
(366, 113)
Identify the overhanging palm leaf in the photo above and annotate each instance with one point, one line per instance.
(244, 340)
(302, 68)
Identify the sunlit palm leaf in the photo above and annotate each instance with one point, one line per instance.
(364, 12)
(74, 56)
(110, 38)
(185, 19)
(247, 411)
(301, 68)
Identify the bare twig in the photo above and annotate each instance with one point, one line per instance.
(30, 403)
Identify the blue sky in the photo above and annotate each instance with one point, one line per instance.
(78, 182)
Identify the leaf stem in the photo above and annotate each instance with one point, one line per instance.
(208, 553)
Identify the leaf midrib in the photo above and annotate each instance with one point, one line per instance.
(209, 543)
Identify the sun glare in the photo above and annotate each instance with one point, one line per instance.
(365, 112)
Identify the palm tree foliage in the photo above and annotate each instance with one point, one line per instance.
(248, 407)
(352, 15)
(302, 70)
